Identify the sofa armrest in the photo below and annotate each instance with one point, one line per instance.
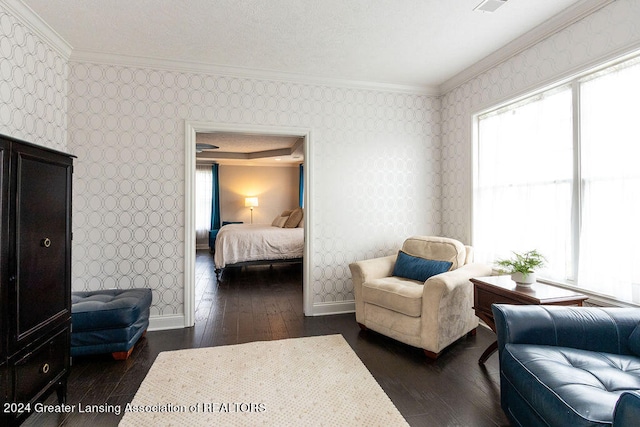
(588, 328)
(627, 412)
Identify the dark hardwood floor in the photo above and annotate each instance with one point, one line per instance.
(263, 303)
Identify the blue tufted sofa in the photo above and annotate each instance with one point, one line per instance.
(569, 366)
(108, 321)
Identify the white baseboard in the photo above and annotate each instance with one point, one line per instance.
(176, 321)
(160, 323)
(327, 308)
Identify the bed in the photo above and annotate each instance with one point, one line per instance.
(245, 244)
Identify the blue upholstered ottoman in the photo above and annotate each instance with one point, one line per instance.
(108, 321)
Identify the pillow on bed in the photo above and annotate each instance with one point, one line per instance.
(279, 221)
(286, 213)
(294, 218)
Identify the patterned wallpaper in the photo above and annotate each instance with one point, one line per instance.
(375, 161)
(33, 86)
(613, 29)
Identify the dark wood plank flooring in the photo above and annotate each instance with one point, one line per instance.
(263, 303)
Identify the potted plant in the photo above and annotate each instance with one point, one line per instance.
(522, 266)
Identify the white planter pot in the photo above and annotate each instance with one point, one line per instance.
(522, 280)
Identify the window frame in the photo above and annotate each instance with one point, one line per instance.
(574, 82)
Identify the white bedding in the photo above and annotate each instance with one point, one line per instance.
(257, 242)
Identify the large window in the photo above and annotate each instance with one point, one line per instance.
(558, 172)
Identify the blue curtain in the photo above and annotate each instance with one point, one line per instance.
(215, 199)
(301, 187)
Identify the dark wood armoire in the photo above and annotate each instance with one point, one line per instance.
(35, 275)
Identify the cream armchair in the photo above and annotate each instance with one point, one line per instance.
(430, 314)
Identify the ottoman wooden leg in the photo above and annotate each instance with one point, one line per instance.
(122, 355)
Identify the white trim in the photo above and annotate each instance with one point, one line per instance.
(191, 127)
(161, 323)
(36, 24)
(553, 25)
(199, 67)
(327, 308)
(189, 225)
(307, 295)
(594, 298)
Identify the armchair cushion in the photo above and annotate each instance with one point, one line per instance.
(395, 293)
(416, 268)
(438, 248)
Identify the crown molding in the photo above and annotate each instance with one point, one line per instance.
(564, 19)
(199, 67)
(36, 24)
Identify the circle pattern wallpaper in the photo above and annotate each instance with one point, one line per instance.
(385, 164)
(375, 165)
(33, 86)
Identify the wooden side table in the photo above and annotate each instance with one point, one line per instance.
(502, 290)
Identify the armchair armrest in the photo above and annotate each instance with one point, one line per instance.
(447, 306)
(439, 286)
(588, 328)
(627, 412)
(363, 271)
(448, 281)
(369, 269)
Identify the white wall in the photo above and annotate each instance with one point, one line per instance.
(275, 187)
(603, 35)
(375, 164)
(33, 84)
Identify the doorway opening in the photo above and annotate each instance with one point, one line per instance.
(191, 129)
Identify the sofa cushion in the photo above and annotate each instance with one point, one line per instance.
(634, 341)
(416, 268)
(394, 293)
(569, 386)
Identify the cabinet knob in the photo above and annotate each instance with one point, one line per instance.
(45, 368)
(46, 242)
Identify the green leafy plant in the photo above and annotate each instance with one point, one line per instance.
(525, 263)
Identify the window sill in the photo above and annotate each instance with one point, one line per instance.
(595, 299)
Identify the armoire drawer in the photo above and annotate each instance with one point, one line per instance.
(41, 366)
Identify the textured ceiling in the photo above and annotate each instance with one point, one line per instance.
(403, 42)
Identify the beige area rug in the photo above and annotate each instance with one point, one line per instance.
(314, 381)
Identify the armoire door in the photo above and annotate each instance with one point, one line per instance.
(42, 204)
(4, 244)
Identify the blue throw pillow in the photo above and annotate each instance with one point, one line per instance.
(634, 341)
(420, 269)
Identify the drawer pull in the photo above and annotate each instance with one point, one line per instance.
(46, 242)
(45, 368)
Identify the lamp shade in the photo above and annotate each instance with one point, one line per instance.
(251, 202)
